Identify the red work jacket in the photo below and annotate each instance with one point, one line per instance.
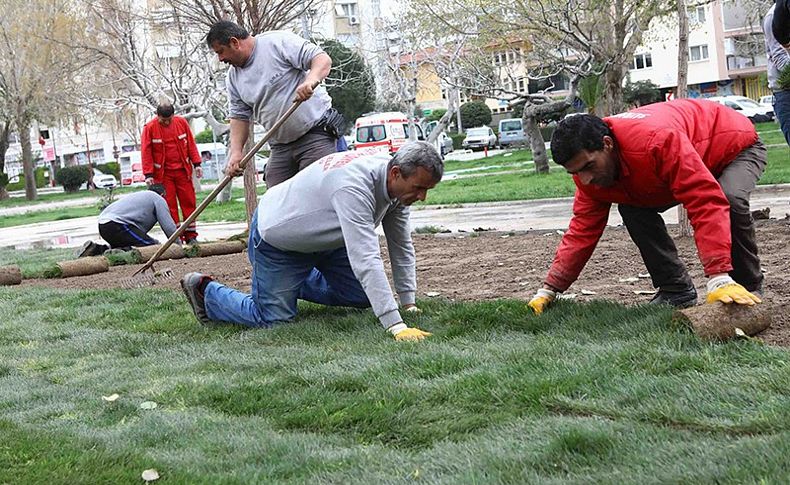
(669, 153)
(179, 148)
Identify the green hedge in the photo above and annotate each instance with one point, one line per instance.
(41, 180)
(72, 177)
(457, 138)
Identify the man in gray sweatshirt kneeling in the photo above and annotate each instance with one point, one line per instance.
(314, 237)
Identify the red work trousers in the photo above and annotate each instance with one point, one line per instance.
(180, 191)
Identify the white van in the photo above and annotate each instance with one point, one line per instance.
(511, 132)
(389, 131)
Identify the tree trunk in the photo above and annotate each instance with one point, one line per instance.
(684, 225)
(537, 144)
(614, 90)
(23, 124)
(250, 194)
(4, 132)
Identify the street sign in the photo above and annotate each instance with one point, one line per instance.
(427, 112)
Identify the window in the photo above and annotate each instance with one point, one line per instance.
(367, 134)
(642, 61)
(698, 52)
(522, 85)
(696, 15)
(345, 9)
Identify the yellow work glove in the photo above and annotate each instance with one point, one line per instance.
(402, 333)
(541, 300)
(726, 290)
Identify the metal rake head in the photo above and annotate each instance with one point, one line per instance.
(148, 277)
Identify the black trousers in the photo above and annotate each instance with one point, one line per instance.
(648, 231)
(122, 235)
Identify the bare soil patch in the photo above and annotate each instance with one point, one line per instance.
(483, 266)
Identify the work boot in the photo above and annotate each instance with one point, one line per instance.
(194, 286)
(191, 241)
(90, 248)
(677, 299)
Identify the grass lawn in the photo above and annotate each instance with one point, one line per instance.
(233, 210)
(525, 184)
(60, 196)
(587, 393)
(34, 262)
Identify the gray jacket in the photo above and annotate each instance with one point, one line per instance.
(141, 209)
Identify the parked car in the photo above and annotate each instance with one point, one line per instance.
(767, 101)
(511, 132)
(104, 181)
(389, 131)
(479, 138)
(443, 142)
(747, 107)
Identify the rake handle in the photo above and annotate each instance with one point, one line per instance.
(225, 181)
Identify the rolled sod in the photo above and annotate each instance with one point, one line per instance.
(219, 248)
(173, 252)
(717, 321)
(10, 275)
(83, 266)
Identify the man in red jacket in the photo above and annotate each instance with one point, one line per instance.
(701, 154)
(169, 154)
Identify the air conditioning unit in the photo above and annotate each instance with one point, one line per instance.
(353, 20)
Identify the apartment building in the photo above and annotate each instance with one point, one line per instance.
(726, 52)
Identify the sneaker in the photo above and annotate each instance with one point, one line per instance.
(191, 241)
(677, 299)
(192, 285)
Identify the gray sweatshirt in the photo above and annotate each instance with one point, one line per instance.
(778, 58)
(264, 88)
(141, 209)
(339, 201)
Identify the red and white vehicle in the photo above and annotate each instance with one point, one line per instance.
(389, 131)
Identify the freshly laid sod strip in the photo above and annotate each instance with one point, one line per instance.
(593, 393)
(36, 263)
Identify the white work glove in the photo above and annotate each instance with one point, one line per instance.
(401, 332)
(543, 297)
(724, 289)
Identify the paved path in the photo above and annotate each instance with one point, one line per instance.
(544, 214)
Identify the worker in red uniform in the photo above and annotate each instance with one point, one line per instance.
(169, 154)
(701, 154)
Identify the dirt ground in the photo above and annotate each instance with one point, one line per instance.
(489, 265)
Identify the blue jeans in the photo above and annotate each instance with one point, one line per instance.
(782, 112)
(279, 278)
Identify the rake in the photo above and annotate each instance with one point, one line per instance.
(148, 275)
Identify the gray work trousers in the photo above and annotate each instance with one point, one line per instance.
(286, 159)
(647, 229)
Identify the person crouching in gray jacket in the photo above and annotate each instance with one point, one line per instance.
(126, 222)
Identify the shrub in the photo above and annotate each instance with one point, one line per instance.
(204, 136)
(475, 113)
(41, 180)
(457, 138)
(72, 177)
(436, 115)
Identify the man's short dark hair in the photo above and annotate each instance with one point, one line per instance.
(165, 110)
(222, 31)
(577, 133)
(158, 188)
